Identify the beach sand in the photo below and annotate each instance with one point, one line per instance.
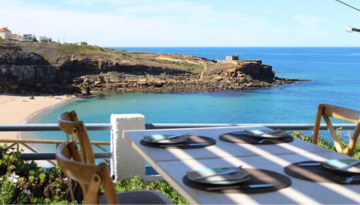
(15, 109)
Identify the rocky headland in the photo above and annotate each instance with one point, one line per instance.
(51, 68)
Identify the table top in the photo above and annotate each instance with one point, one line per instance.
(300, 191)
(222, 149)
(172, 165)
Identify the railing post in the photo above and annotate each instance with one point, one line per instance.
(125, 161)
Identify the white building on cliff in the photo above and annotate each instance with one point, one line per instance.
(5, 33)
(232, 57)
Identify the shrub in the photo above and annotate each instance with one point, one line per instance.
(326, 143)
(24, 182)
(168, 191)
(136, 183)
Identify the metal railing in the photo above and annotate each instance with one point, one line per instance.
(50, 127)
(107, 127)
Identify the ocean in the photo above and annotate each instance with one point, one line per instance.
(333, 75)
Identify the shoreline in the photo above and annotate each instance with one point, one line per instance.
(20, 109)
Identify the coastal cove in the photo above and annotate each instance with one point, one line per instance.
(332, 71)
(57, 69)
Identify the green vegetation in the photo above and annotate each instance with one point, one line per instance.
(136, 183)
(321, 142)
(23, 182)
(119, 52)
(192, 67)
(77, 49)
(327, 144)
(46, 57)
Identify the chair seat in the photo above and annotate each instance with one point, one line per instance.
(139, 197)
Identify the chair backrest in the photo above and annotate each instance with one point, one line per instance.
(330, 111)
(70, 124)
(89, 176)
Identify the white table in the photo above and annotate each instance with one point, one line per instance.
(300, 191)
(172, 165)
(220, 150)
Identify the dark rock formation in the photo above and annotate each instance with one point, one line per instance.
(243, 76)
(28, 73)
(76, 68)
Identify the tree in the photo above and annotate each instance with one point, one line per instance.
(34, 38)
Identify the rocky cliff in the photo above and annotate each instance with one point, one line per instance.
(33, 68)
(28, 72)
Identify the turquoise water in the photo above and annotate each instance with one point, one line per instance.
(334, 80)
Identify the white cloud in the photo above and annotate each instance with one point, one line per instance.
(198, 25)
(161, 23)
(308, 21)
(310, 27)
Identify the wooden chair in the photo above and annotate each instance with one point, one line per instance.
(330, 111)
(69, 123)
(80, 166)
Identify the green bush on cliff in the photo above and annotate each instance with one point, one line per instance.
(73, 48)
(194, 68)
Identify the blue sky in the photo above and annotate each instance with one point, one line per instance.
(191, 23)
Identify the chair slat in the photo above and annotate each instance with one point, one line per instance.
(341, 113)
(333, 134)
(92, 191)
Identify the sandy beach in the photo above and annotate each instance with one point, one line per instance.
(15, 109)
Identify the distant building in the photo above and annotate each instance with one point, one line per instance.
(44, 39)
(5, 33)
(20, 38)
(28, 37)
(232, 57)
